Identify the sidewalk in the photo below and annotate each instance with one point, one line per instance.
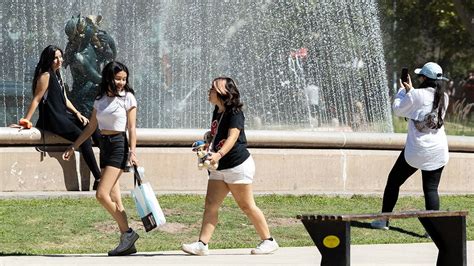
(391, 254)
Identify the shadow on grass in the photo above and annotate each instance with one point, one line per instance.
(4, 254)
(100, 255)
(105, 255)
(392, 228)
(157, 254)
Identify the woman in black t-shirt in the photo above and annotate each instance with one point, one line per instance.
(235, 172)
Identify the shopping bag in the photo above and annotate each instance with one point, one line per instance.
(146, 203)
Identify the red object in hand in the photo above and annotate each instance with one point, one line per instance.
(301, 53)
(25, 123)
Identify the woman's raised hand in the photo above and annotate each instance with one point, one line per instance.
(407, 85)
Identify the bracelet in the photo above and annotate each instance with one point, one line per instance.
(222, 155)
(132, 152)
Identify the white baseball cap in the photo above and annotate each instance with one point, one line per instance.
(431, 70)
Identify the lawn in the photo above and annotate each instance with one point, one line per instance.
(452, 128)
(65, 225)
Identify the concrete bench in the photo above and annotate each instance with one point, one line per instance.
(331, 234)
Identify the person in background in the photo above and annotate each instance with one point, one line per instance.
(114, 112)
(426, 146)
(235, 172)
(312, 94)
(56, 113)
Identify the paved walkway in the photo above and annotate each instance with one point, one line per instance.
(392, 254)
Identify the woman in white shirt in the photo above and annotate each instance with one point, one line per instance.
(426, 146)
(115, 112)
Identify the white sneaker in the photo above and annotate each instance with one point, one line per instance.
(265, 247)
(196, 248)
(379, 224)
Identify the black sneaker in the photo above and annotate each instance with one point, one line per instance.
(96, 184)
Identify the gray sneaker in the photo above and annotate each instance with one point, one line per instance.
(126, 245)
(380, 224)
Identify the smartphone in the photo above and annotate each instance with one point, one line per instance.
(404, 75)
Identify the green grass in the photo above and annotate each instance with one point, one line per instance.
(61, 225)
(459, 129)
(452, 128)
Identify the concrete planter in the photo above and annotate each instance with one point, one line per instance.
(294, 162)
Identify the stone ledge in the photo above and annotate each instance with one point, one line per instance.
(147, 137)
(280, 171)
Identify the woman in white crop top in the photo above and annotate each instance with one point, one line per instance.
(115, 112)
(426, 146)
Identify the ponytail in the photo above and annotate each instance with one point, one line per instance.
(439, 101)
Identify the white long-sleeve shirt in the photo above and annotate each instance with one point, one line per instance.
(423, 150)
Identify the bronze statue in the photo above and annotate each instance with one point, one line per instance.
(87, 51)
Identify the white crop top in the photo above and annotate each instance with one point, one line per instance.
(111, 112)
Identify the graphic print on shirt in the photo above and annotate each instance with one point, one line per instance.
(214, 125)
(220, 144)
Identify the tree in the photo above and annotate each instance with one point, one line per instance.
(428, 30)
(465, 11)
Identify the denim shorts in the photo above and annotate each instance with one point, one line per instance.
(114, 150)
(240, 174)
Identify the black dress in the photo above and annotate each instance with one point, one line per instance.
(55, 117)
(53, 113)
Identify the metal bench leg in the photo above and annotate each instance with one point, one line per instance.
(333, 239)
(449, 235)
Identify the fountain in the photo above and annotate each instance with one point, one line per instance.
(273, 49)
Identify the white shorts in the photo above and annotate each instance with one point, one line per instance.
(240, 174)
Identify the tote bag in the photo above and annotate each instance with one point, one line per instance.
(146, 203)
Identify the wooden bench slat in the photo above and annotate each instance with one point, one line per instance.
(388, 215)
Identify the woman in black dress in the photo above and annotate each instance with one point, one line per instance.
(56, 113)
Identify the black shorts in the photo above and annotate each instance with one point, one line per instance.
(114, 150)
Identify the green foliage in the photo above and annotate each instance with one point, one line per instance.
(460, 129)
(399, 124)
(416, 32)
(59, 226)
(451, 126)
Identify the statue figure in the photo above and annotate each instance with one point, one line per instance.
(87, 51)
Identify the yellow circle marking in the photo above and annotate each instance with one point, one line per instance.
(331, 241)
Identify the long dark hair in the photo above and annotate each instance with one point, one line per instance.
(438, 102)
(107, 85)
(231, 99)
(44, 65)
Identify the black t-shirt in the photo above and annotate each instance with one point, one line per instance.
(239, 153)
